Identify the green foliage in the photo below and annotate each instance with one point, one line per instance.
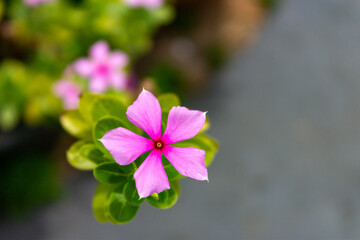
(168, 78)
(86, 103)
(107, 106)
(60, 40)
(100, 201)
(216, 55)
(47, 42)
(91, 153)
(116, 203)
(171, 172)
(167, 198)
(84, 155)
(1, 9)
(20, 100)
(119, 210)
(113, 173)
(12, 97)
(116, 199)
(168, 100)
(73, 122)
(131, 194)
(270, 4)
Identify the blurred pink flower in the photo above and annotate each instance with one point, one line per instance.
(151, 4)
(126, 146)
(69, 92)
(104, 69)
(36, 2)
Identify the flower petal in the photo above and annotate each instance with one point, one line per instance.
(98, 84)
(32, 2)
(69, 92)
(62, 87)
(84, 67)
(188, 161)
(71, 101)
(151, 177)
(145, 113)
(118, 59)
(124, 145)
(151, 4)
(118, 80)
(183, 124)
(99, 51)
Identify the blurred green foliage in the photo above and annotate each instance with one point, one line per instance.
(20, 99)
(116, 198)
(168, 78)
(37, 44)
(12, 97)
(60, 38)
(47, 38)
(1, 9)
(270, 4)
(216, 55)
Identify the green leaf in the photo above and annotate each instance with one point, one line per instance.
(168, 100)
(204, 142)
(206, 126)
(164, 118)
(113, 173)
(119, 210)
(125, 97)
(176, 186)
(101, 127)
(131, 194)
(171, 172)
(77, 160)
(108, 106)
(92, 153)
(75, 124)
(141, 159)
(166, 198)
(100, 201)
(86, 103)
(9, 117)
(163, 14)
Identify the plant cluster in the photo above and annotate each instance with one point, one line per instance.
(40, 39)
(116, 198)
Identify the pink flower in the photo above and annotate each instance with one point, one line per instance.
(103, 68)
(69, 92)
(150, 4)
(36, 2)
(126, 146)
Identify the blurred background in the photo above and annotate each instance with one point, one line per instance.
(281, 82)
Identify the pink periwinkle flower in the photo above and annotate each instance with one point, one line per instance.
(150, 4)
(36, 2)
(126, 146)
(104, 69)
(69, 92)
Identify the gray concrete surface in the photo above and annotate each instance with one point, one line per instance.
(287, 115)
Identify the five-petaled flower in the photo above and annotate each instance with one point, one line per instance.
(105, 69)
(69, 92)
(36, 2)
(150, 4)
(126, 146)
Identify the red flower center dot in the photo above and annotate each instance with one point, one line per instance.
(158, 144)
